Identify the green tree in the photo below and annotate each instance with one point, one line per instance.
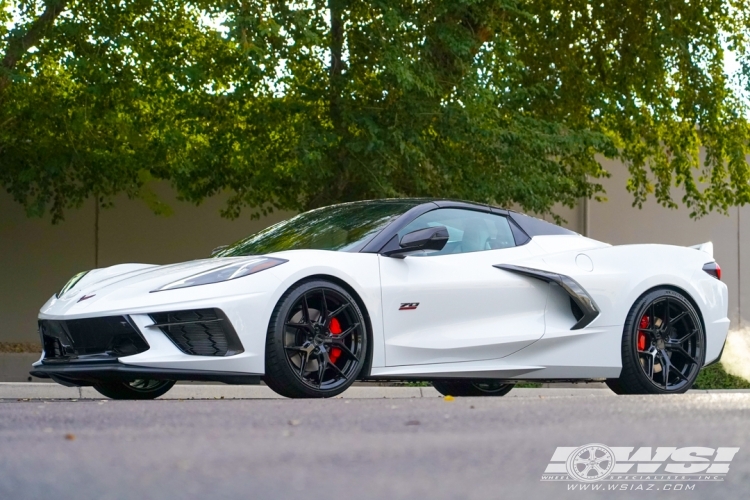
(300, 104)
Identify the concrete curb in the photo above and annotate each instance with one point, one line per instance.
(24, 390)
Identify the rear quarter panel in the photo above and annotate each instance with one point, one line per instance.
(621, 274)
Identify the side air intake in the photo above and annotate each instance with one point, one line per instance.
(582, 305)
(199, 332)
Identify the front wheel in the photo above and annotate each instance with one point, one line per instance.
(471, 387)
(663, 345)
(137, 389)
(317, 341)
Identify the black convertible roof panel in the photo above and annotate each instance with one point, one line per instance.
(538, 227)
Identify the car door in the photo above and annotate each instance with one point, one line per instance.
(452, 305)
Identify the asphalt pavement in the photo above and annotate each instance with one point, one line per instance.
(408, 448)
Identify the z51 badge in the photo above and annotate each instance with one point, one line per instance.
(408, 306)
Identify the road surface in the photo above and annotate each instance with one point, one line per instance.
(359, 449)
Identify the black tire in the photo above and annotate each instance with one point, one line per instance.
(671, 332)
(305, 358)
(137, 389)
(614, 385)
(466, 388)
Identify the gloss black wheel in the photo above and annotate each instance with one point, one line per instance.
(317, 341)
(664, 345)
(136, 389)
(462, 388)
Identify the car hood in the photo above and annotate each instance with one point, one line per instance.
(128, 280)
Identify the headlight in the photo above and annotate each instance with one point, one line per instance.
(225, 273)
(71, 283)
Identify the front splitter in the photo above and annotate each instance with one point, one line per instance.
(79, 373)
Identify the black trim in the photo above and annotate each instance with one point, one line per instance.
(91, 372)
(718, 358)
(518, 234)
(577, 293)
(467, 205)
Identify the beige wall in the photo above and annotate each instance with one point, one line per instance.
(38, 258)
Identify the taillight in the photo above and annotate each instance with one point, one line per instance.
(713, 269)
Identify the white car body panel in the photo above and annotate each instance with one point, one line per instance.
(473, 320)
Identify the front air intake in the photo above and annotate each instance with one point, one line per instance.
(110, 335)
(199, 332)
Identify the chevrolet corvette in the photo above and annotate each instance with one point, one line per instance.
(471, 297)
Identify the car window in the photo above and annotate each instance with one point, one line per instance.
(344, 228)
(468, 230)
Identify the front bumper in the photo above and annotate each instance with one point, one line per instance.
(90, 371)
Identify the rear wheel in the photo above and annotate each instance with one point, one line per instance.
(471, 387)
(317, 341)
(663, 345)
(137, 389)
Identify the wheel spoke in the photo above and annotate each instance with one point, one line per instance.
(664, 367)
(678, 374)
(346, 332)
(303, 357)
(652, 322)
(668, 362)
(324, 310)
(678, 348)
(682, 340)
(306, 309)
(338, 311)
(649, 368)
(666, 314)
(301, 326)
(678, 317)
(333, 365)
(345, 349)
(323, 362)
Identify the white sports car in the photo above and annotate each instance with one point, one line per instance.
(471, 297)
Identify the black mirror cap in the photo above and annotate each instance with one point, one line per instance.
(430, 238)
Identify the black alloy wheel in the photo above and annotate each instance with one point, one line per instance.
(317, 341)
(663, 347)
(462, 388)
(136, 389)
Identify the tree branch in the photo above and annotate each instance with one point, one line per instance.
(20, 42)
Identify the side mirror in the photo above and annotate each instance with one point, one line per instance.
(431, 238)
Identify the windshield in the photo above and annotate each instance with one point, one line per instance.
(344, 228)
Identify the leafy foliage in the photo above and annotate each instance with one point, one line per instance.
(296, 105)
(714, 377)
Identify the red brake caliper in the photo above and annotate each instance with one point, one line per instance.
(641, 334)
(335, 329)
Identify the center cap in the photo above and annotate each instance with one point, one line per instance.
(660, 344)
(319, 338)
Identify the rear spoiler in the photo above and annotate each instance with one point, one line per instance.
(707, 247)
